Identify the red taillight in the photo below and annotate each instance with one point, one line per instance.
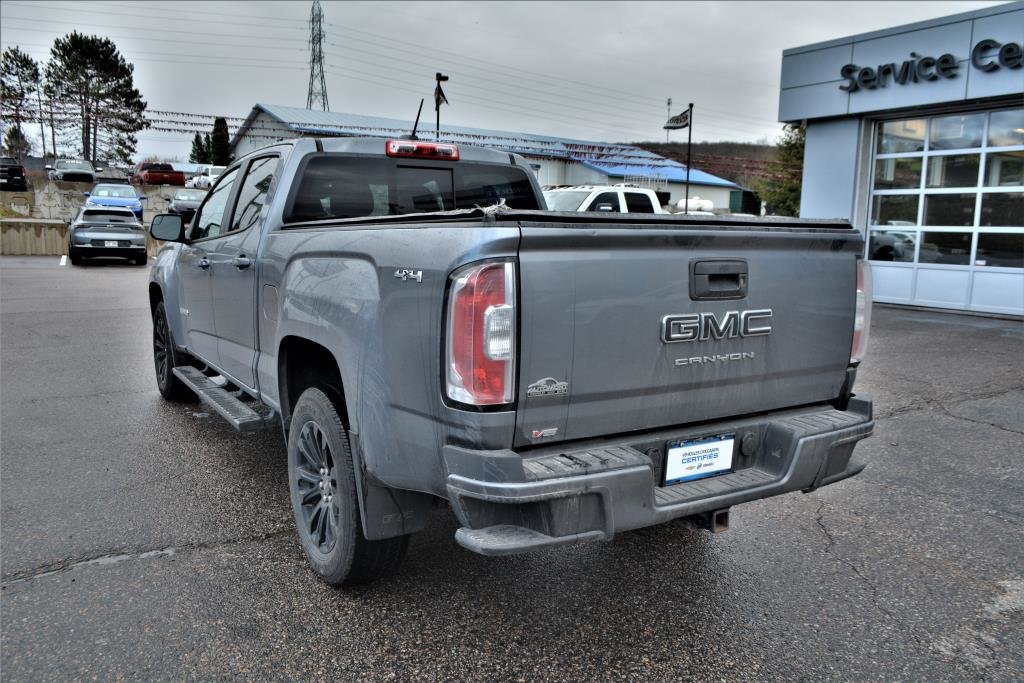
(422, 150)
(862, 316)
(481, 345)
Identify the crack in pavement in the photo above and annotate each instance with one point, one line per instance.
(110, 558)
(875, 597)
(942, 404)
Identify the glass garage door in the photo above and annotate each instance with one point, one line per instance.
(946, 226)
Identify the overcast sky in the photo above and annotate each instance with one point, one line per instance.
(598, 71)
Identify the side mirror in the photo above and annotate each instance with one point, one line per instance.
(99, 170)
(603, 207)
(86, 194)
(168, 227)
(49, 168)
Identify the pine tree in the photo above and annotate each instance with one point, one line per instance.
(198, 151)
(220, 150)
(781, 194)
(16, 144)
(207, 149)
(104, 109)
(19, 81)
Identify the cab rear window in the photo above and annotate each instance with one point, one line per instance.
(334, 186)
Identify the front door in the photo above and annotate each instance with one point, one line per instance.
(195, 272)
(196, 302)
(233, 258)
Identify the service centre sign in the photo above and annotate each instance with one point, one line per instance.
(924, 68)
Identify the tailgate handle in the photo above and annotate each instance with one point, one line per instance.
(718, 279)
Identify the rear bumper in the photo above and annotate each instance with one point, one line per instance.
(87, 251)
(509, 503)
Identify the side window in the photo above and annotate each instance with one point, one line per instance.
(253, 194)
(637, 202)
(611, 198)
(211, 214)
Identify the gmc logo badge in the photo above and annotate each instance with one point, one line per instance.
(705, 326)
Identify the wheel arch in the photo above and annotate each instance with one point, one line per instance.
(384, 512)
(303, 363)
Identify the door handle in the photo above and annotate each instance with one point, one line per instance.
(242, 262)
(203, 263)
(718, 279)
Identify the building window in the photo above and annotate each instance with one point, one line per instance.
(948, 190)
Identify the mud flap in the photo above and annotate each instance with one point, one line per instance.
(386, 512)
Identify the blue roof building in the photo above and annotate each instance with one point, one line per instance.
(557, 161)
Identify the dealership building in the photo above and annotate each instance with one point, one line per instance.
(916, 135)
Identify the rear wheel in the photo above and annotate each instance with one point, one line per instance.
(165, 358)
(140, 260)
(73, 256)
(323, 493)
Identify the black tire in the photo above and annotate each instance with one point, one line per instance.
(73, 256)
(322, 485)
(140, 260)
(165, 358)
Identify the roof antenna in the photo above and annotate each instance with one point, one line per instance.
(412, 135)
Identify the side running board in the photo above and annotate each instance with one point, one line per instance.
(245, 417)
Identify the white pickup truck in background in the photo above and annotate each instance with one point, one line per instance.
(609, 198)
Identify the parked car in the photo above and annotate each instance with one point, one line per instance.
(72, 171)
(608, 198)
(106, 231)
(205, 177)
(153, 173)
(185, 202)
(12, 175)
(109, 194)
(419, 330)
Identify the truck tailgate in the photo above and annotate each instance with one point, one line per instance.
(594, 358)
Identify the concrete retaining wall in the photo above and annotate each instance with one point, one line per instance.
(47, 208)
(43, 237)
(61, 201)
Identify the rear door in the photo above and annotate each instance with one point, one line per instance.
(613, 338)
(233, 267)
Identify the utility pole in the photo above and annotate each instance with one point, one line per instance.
(42, 130)
(669, 107)
(317, 94)
(689, 140)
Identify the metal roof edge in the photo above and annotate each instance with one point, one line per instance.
(907, 28)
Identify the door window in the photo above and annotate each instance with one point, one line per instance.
(253, 193)
(213, 212)
(606, 198)
(637, 202)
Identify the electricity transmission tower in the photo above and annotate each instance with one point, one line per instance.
(317, 96)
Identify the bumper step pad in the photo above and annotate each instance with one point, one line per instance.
(582, 462)
(506, 539)
(245, 417)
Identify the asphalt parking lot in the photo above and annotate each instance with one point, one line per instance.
(146, 540)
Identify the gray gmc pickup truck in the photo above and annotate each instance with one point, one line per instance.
(423, 330)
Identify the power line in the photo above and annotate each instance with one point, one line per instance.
(163, 30)
(561, 81)
(120, 13)
(389, 45)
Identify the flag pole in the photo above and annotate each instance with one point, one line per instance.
(689, 142)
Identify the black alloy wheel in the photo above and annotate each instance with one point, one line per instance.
(321, 481)
(165, 358)
(316, 481)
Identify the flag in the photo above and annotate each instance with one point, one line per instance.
(439, 97)
(680, 121)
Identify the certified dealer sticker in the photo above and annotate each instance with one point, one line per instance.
(698, 458)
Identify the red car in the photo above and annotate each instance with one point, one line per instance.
(153, 173)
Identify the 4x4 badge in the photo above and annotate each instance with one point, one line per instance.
(549, 386)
